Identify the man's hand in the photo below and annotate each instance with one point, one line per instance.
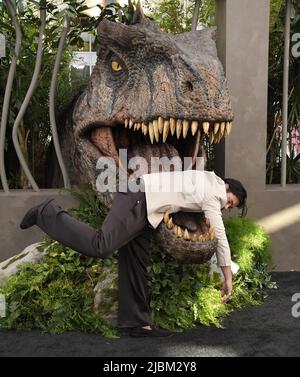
(227, 285)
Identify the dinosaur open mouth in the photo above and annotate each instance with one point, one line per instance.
(171, 138)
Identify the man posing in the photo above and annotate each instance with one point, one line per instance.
(126, 228)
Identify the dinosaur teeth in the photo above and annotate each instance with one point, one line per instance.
(179, 231)
(151, 132)
(144, 129)
(172, 126)
(156, 132)
(178, 128)
(223, 126)
(216, 128)
(194, 127)
(205, 126)
(160, 124)
(166, 130)
(170, 224)
(166, 217)
(228, 128)
(186, 235)
(186, 126)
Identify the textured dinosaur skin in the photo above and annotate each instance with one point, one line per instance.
(167, 94)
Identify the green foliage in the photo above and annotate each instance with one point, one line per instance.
(176, 17)
(184, 295)
(35, 134)
(35, 127)
(275, 98)
(57, 295)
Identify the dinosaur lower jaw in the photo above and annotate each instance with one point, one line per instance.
(189, 226)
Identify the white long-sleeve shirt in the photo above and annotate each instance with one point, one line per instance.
(189, 191)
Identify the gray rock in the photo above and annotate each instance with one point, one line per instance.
(106, 295)
(10, 266)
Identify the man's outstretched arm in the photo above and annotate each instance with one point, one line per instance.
(213, 214)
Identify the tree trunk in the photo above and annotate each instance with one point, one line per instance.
(198, 4)
(8, 90)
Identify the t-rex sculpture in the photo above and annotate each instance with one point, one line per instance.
(156, 95)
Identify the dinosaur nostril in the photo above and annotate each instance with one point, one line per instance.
(189, 86)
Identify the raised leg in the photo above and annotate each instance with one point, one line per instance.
(126, 220)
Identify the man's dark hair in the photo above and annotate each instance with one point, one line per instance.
(240, 192)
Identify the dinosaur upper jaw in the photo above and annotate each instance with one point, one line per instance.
(171, 138)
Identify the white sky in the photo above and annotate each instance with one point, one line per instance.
(94, 11)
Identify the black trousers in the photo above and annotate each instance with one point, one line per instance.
(125, 229)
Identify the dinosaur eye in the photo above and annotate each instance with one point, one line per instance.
(116, 66)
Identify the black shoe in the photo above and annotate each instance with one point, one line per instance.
(140, 332)
(30, 217)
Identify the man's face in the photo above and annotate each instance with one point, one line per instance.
(232, 200)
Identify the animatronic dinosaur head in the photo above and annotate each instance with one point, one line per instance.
(156, 95)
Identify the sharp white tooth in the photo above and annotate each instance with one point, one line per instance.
(178, 128)
(172, 126)
(175, 229)
(205, 127)
(166, 217)
(186, 235)
(145, 130)
(130, 123)
(156, 132)
(194, 127)
(151, 132)
(170, 224)
(228, 128)
(216, 128)
(221, 131)
(126, 123)
(200, 238)
(166, 130)
(134, 126)
(185, 128)
(160, 124)
(223, 126)
(138, 126)
(179, 231)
